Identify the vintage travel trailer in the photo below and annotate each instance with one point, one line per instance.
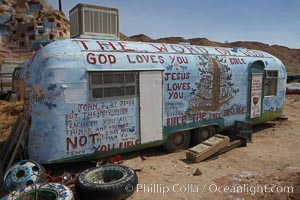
(88, 99)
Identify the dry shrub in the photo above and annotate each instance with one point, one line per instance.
(9, 112)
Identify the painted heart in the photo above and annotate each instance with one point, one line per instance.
(255, 100)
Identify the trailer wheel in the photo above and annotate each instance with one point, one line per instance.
(177, 141)
(201, 134)
(49, 191)
(107, 182)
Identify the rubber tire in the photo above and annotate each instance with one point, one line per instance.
(121, 188)
(63, 192)
(197, 136)
(169, 145)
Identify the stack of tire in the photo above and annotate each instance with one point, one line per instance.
(27, 180)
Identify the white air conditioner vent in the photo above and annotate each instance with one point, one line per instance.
(89, 21)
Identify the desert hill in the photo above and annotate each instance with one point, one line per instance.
(290, 57)
(24, 24)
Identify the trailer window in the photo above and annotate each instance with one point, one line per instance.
(271, 78)
(113, 84)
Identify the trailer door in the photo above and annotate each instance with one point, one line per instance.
(256, 95)
(151, 98)
(256, 81)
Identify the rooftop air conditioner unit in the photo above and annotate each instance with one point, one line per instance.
(89, 21)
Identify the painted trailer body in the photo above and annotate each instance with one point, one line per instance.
(91, 98)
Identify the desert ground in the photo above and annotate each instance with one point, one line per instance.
(272, 161)
(268, 168)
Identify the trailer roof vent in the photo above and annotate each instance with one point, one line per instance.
(90, 21)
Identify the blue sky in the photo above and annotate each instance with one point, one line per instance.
(267, 21)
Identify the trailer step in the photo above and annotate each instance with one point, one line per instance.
(207, 148)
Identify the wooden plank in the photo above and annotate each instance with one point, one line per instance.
(1, 171)
(213, 140)
(199, 148)
(232, 145)
(17, 146)
(12, 136)
(207, 148)
(12, 143)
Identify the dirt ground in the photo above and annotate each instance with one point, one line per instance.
(268, 168)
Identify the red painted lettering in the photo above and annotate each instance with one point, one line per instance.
(122, 45)
(223, 51)
(93, 137)
(128, 144)
(199, 117)
(258, 54)
(90, 58)
(172, 59)
(161, 60)
(247, 52)
(174, 121)
(139, 59)
(102, 45)
(145, 59)
(237, 61)
(83, 140)
(177, 48)
(202, 50)
(129, 60)
(104, 148)
(177, 76)
(84, 44)
(179, 59)
(163, 48)
(72, 143)
(101, 59)
(153, 59)
(191, 49)
(175, 95)
(178, 86)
